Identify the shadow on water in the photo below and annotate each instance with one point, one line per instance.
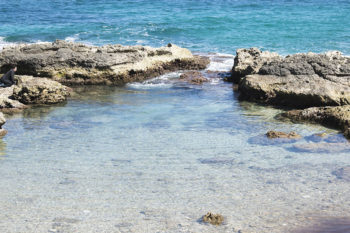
(327, 225)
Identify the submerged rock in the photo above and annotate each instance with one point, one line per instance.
(193, 77)
(343, 173)
(214, 219)
(322, 147)
(276, 134)
(74, 63)
(338, 117)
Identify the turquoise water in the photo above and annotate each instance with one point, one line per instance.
(285, 26)
(156, 156)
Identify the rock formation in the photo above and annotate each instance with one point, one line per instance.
(276, 134)
(32, 90)
(337, 117)
(74, 63)
(299, 81)
(193, 77)
(214, 219)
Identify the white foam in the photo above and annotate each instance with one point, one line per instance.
(73, 38)
(4, 43)
(220, 62)
(163, 81)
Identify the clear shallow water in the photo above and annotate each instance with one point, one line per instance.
(285, 26)
(155, 157)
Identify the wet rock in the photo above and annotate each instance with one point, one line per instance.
(33, 90)
(322, 147)
(3, 132)
(2, 120)
(6, 102)
(214, 219)
(193, 77)
(343, 173)
(300, 80)
(276, 134)
(74, 63)
(249, 61)
(338, 117)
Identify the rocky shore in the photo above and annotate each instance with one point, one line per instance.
(317, 85)
(78, 64)
(44, 69)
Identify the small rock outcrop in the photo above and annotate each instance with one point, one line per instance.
(276, 134)
(214, 219)
(32, 90)
(193, 77)
(74, 63)
(337, 117)
(3, 132)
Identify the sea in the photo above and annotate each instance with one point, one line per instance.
(156, 156)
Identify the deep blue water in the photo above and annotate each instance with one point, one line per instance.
(285, 26)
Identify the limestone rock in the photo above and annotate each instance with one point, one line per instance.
(299, 80)
(214, 219)
(276, 134)
(338, 117)
(299, 91)
(74, 63)
(2, 120)
(34, 90)
(249, 61)
(193, 77)
(3, 132)
(6, 101)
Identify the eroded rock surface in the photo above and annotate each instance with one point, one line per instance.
(337, 117)
(276, 134)
(299, 80)
(3, 132)
(249, 61)
(214, 219)
(74, 63)
(193, 77)
(32, 90)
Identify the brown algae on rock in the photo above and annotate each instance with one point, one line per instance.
(214, 219)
